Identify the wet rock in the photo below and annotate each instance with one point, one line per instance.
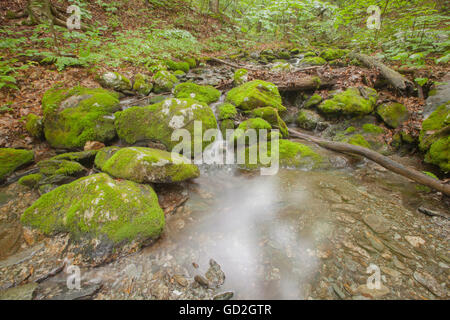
(215, 274)
(415, 241)
(430, 283)
(85, 293)
(339, 292)
(201, 281)
(439, 95)
(182, 281)
(25, 292)
(376, 223)
(224, 296)
(374, 293)
(393, 114)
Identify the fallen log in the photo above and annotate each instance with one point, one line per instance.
(383, 161)
(398, 81)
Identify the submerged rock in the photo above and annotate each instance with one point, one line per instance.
(158, 122)
(205, 94)
(256, 94)
(74, 116)
(145, 165)
(352, 101)
(13, 159)
(98, 206)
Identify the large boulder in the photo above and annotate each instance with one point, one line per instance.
(435, 138)
(12, 159)
(98, 207)
(206, 94)
(145, 165)
(157, 122)
(393, 114)
(256, 94)
(74, 116)
(353, 101)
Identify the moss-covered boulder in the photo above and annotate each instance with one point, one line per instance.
(256, 94)
(272, 117)
(142, 84)
(34, 126)
(74, 116)
(98, 206)
(372, 128)
(61, 167)
(31, 180)
(114, 81)
(240, 77)
(314, 61)
(206, 94)
(192, 62)
(350, 102)
(86, 158)
(13, 159)
(393, 114)
(157, 122)
(281, 67)
(174, 65)
(435, 139)
(227, 124)
(164, 81)
(227, 111)
(289, 154)
(256, 124)
(332, 54)
(145, 165)
(313, 101)
(308, 119)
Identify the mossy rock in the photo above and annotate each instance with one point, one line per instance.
(164, 81)
(285, 55)
(281, 67)
(74, 116)
(227, 124)
(158, 122)
(313, 101)
(98, 206)
(332, 54)
(227, 111)
(86, 158)
(115, 81)
(308, 119)
(439, 154)
(356, 140)
(61, 167)
(272, 117)
(289, 154)
(13, 159)
(372, 129)
(174, 65)
(256, 94)
(142, 84)
(179, 74)
(31, 180)
(34, 126)
(191, 62)
(104, 155)
(240, 77)
(146, 165)
(206, 94)
(393, 114)
(256, 124)
(309, 54)
(350, 102)
(314, 61)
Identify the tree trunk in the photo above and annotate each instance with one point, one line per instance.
(214, 6)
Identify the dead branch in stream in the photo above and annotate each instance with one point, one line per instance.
(384, 161)
(398, 81)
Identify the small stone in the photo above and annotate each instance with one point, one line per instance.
(415, 241)
(374, 293)
(377, 223)
(430, 283)
(338, 291)
(224, 296)
(201, 281)
(93, 145)
(181, 280)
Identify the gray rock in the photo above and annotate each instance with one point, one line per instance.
(24, 292)
(376, 223)
(430, 283)
(441, 96)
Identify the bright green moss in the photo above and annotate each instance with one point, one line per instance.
(12, 159)
(425, 188)
(393, 114)
(256, 124)
(174, 66)
(34, 126)
(350, 102)
(61, 167)
(164, 81)
(371, 128)
(191, 62)
(281, 66)
(332, 54)
(31, 180)
(146, 165)
(309, 54)
(439, 154)
(227, 111)
(206, 94)
(256, 94)
(436, 121)
(142, 84)
(358, 140)
(350, 130)
(227, 124)
(98, 206)
(308, 119)
(83, 157)
(272, 117)
(115, 81)
(240, 77)
(314, 61)
(313, 101)
(179, 74)
(74, 116)
(157, 122)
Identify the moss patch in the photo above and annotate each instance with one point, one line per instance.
(206, 94)
(272, 117)
(12, 159)
(34, 126)
(240, 77)
(31, 180)
(313, 101)
(164, 81)
(174, 66)
(350, 102)
(314, 61)
(142, 84)
(227, 111)
(393, 114)
(371, 128)
(332, 54)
